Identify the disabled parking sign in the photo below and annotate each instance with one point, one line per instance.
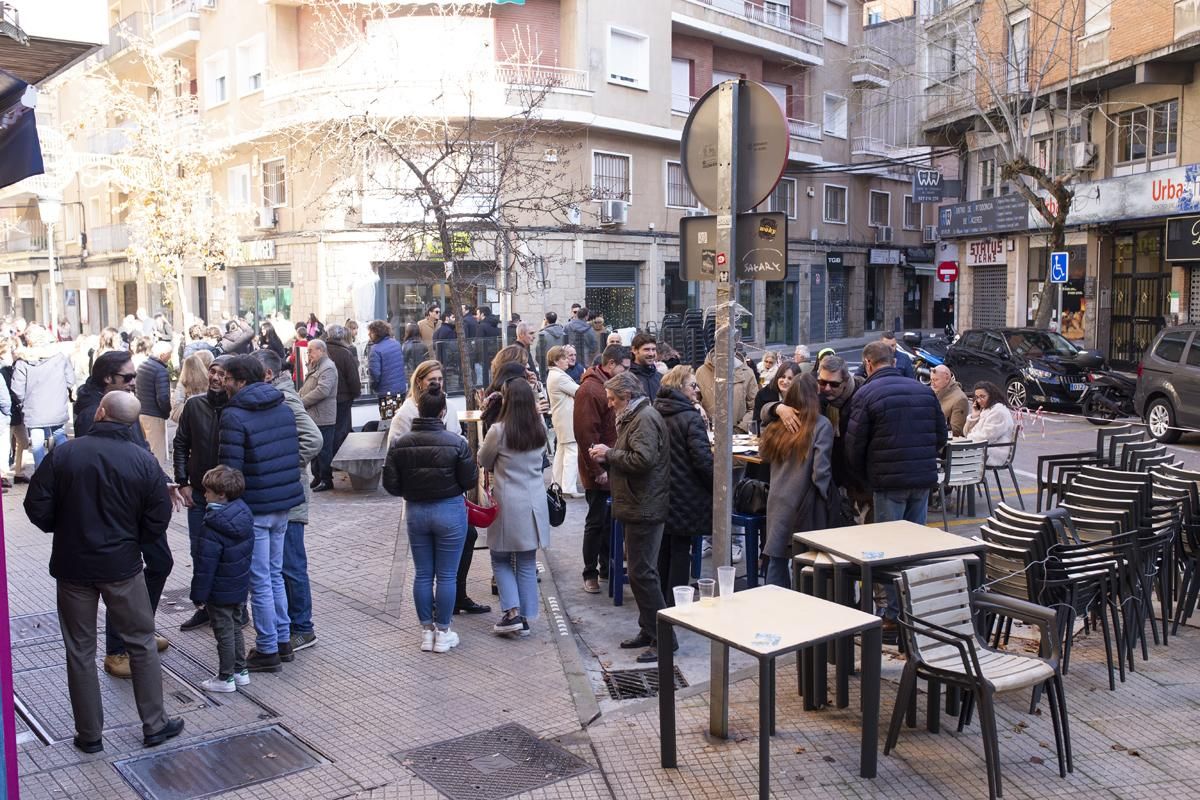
(1058, 267)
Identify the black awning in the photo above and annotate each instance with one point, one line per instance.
(20, 151)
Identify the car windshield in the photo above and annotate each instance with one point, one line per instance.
(1036, 344)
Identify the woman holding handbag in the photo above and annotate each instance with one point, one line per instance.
(512, 450)
(801, 476)
(431, 468)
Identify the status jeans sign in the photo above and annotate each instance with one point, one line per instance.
(985, 252)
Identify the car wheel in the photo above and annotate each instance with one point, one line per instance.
(1160, 421)
(1016, 393)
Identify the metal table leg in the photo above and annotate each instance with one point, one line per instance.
(666, 695)
(872, 655)
(845, 645)
(765, 712)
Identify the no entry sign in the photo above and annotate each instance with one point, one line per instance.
(947, 271)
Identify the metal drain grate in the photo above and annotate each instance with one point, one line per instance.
(630, 684)
(492, 764)
(175, 601)
(34, 627)
(218, 766)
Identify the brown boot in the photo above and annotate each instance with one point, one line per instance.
(118, 666)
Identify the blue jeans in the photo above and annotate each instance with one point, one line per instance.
(42, 439)
(322, 465)
(295, 579)
(436, 533)
(195, 519)
(516, 579)
(890, 506)
(267, 597)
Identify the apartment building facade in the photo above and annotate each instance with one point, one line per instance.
(1113, 109)
(623, 76)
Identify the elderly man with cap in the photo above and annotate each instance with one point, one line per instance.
(195, 453)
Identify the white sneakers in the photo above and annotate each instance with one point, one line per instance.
(221, 686)
(242, 678)
(736, 556)
(737, 553)
(435, 641)
(444, 640)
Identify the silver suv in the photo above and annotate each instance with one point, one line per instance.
(1168, 386)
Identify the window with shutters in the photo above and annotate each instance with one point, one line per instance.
(679, 194)
(681, 85)
(238, 184)
(1097, 16)
(274, 176)
(836, 115)
(611, 176)
(251, 64)
(880, 209)
(835, 204)
(628, 58)
(837, 18)
(912, 214)
(783, 198)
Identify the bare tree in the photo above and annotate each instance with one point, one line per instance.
(1008, 66)
(164, 165)
(460, 159)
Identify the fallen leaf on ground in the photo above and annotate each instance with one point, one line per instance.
(799, 750)
(1036, 760)
(830, 759)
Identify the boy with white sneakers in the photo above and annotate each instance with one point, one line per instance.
(221, 572)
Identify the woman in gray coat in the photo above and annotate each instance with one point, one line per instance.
(801, 476)
(512, 450)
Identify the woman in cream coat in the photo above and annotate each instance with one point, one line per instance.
(990, 421)
(562, 387)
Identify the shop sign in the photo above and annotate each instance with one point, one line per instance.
(927, 186)
(1008, 212)
(5, 279)
(835, 260)
(985, 252)
(258, 250)
(1150, 194)
(25, 291)
(879, 256)
(460, 245)
(97, 282)
(1183, 239)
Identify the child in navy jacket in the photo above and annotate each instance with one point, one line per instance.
(221, 572)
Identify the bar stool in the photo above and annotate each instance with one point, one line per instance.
(754, 526)
(616, 558)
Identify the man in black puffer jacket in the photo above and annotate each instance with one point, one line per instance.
(895, 433)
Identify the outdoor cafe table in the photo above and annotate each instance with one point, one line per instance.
(768, 622)
(888, 544)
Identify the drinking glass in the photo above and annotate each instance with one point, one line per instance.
(684, 595)
(725, 578)
(708, 591)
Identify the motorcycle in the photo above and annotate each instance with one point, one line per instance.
(1109, 397)
(925, 355)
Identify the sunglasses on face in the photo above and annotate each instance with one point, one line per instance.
(829, 384)
(126, 377)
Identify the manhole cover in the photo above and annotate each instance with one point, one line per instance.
(630, 684)
(44, 698)
(218, 766)
(34, 627)
(492, 764)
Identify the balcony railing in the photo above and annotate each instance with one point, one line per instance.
(803, 129)
(537, 76)
(755, 12)
(108, 238)
(173, 12)
(26, 236)
(870, 146)
(108, 142)
(136, 25)
(682, 104)
(1187, 17)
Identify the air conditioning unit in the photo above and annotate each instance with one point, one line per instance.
(695, 212)
(209, 4)
(1083, 155)
(931, 235)
(883, 234)
(614, 212)
(266, 218)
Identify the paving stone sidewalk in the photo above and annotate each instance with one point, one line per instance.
(365, 694)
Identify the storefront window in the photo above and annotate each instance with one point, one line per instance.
(1074, 304)
(746, 318)
(409, 289)
(264, 292)
(874, 297)
(680, 294)
(783, 304)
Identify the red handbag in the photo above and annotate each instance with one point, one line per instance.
(482, 516)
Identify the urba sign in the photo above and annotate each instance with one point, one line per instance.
(985, 252)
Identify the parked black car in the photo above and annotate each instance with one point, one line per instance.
(1035, 367)
(1168, 386)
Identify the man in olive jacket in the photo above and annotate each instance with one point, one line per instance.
(639, 476)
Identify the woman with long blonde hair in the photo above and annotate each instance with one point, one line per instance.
(801, 476)
(193, 380)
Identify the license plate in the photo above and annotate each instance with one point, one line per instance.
(1078, 387)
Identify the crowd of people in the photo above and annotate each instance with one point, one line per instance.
(225, 424)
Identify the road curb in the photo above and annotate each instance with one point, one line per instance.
(586, 705)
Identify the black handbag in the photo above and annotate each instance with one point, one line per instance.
(750, 496)
(556, 504)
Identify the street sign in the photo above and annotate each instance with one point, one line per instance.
(947, 271)
(927, 186)
(1058, 267)
(762, 146)
(762, 247)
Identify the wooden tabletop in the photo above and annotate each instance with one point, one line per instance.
(769, 620)
(884, 543)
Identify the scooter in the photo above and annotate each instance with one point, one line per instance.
(1109, 397)
(925, 355)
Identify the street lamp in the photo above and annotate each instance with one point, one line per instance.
(50, 210)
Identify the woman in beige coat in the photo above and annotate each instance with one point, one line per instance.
(512, 451)
(562, 387)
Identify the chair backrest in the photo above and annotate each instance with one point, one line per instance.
(1117, 442)
(1104, 434)
(938, 594)
(1009, 449)
(965, 463)
(1131, 450)
(1008, 565)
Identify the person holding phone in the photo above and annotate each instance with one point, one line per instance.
(990, 421)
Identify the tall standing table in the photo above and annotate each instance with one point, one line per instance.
(768, 622)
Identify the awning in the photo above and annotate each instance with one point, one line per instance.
(20, 151)
(922, 269)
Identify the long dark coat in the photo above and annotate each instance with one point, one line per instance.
(691, 466)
